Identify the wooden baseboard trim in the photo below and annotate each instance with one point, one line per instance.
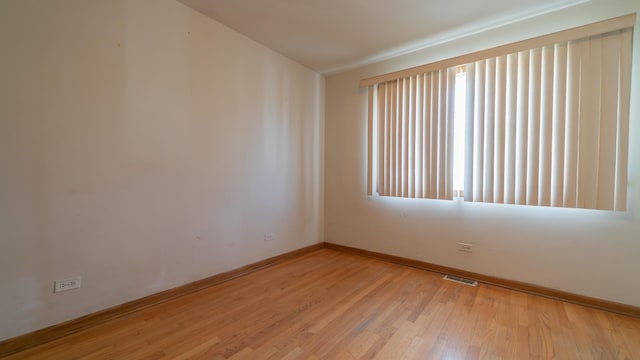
(43, 336)
(600, 304)
(51, 333)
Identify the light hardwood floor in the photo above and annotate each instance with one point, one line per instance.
(333, 305)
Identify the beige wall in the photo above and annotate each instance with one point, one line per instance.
(144, 146)
(593, 253)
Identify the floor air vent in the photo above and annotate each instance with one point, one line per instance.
(461, 280)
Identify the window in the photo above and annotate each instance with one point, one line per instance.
(539, 122)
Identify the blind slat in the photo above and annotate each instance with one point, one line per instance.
(522, 102)
(411, 140)
(426, 134)
(533, 129)
(571, 124)
(419, 137)
(558, 124)
(489, 124)
(370, 143)
(404, 139)
(469, 136)
(393, 141)
(546, 127)
(449, 132)
(510, 130)
(478, 133)
(499, 131)
(380, 127)
(433, 140)
(442, 136)
(622, 133)
(387, 139)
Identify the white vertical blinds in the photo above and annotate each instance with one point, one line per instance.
(550, 125)
(415, 136)
(547, 122)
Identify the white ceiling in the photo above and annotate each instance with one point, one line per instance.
(333, 35)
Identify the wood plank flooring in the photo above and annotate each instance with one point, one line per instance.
(333, 305)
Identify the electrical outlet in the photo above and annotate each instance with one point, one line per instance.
(465, 247)
(68, 284)
(268, 237)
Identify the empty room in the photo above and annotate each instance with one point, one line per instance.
(328, 179)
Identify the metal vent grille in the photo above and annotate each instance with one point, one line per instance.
(461, 280)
